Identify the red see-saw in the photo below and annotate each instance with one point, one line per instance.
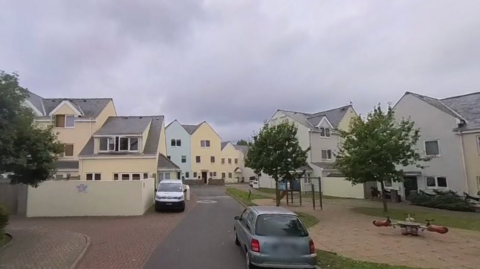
(410, 227)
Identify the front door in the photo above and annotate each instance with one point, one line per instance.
(204, 176)
(179, 175)
(410, 184)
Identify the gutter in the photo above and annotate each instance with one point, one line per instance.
(464, 163)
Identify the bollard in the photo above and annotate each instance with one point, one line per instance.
(187, 192)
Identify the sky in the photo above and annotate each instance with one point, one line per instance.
(234, 63)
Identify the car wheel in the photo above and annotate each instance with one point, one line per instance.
(182, 209)
(236, 238)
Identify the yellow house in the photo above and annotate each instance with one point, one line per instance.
(205, 152)
(230, 163)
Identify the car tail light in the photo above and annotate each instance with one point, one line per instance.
(312, 247)
(255, 245)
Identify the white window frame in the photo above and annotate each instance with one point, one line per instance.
(436, 182)
(93, 176)
(203, 143)
(130, 176)
(425, 147)
(388, 183)
(174, 143)
(177, 142)
(326, 153)
(114, 139)
(325, 131)
(69, 127)
(181, 159)
(108, 144)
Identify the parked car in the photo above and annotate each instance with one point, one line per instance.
(274, 237)
(170, 195)
(253, 182)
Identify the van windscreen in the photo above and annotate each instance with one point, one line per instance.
(170, 187)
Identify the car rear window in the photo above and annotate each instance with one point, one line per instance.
(279, 225)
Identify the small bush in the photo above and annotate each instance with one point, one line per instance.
(442, 200)
(3, 220)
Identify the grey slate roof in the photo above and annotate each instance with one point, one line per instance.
(124, 125)
(242, 148)
(191, 128)
(151, 145)
(90, 107)
(67, 165)
(165, 163)
(465, 107)
(224, 144)
(310, 120)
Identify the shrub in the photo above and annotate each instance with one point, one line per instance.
(442, 200)
(3, 220)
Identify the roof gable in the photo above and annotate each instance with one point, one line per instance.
(190, 128)
(311, 120)
(436, 103)
(91, 107)
(78, 111)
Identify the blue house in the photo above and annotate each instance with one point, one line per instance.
(179, 148)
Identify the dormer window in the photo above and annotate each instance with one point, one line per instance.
(65, 121)
(324, 132)
(118, 144)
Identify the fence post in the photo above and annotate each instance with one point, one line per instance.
(313, 196)
(320, 192)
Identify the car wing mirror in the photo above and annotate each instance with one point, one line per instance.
(236, 218)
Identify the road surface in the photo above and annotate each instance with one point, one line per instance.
(204, 239)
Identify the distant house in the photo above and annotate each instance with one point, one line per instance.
(450, 136)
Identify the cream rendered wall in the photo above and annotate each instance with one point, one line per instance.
(107, 167)
(162, 143)
(144, 136)
(90, 198)
(205, 132)
(471, 149)
(347, 118)
(230, 152)
(246, 172)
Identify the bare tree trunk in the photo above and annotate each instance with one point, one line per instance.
(384, 198)
(277, 193)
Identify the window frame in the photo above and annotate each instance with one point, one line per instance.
(112, 146)
(478, 144)
(328, 158)
(182, 159)
(198, 159)
(230, 174)
(195, 174)
(436, 182)
(212, 159)
(93, 176)
(236, 160)
(65, 150)
(203, 143)
(172, 143)
(425, 147)
(229, 160)
(69, 127)
(223, 160)
(178, 143)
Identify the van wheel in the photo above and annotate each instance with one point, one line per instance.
(236, 238)
(182, 209)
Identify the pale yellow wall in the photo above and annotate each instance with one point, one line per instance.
(472, 161)
(345, 122)
(145, 136)
(107, 167)
(162, 143)
(101, 198)
(229, 151)
(205, 132)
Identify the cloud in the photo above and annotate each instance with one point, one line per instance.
(234, 63)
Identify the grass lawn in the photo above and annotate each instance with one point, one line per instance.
(307, 219)
(243, 196)
(333, 261)
(467, 221)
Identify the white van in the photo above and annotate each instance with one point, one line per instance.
(170, 195)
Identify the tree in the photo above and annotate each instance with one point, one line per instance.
(275, 151)
(26, 151)
(375, 147)
(242, 142)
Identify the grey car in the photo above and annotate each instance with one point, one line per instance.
(274, 237)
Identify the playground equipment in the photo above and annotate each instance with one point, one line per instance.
(410, 227)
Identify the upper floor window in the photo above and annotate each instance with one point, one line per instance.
(117, 143)
(432, 148)
(229, 161)
(93, 176)
(223, 160)
(236, 160)
(197, 159)
(326, 154)
(205, 143)
(65, 121)
(212, 159)
(173, 143)
(176, 143)
(184, 159)
(478, 144)
(436, 182)
(324, 132)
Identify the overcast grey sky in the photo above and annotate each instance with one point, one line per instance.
(233, 63)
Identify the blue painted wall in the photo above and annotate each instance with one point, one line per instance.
(176, 131)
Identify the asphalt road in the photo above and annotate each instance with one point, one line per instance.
(204, 239)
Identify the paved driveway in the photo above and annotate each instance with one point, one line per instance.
(204, 239)
(118, 242)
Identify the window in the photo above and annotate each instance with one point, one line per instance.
(115, 176)
(327, 132)
(184, 159)
(125, 176)
(324, 132)
(135, 176)
(436, 182)
(107, 144)
(167, 176)
(214, 174)
(211, 174)
(145, 175)
(308, 180)
(230, 175)
(65, 121)
(326, 154)
(59, 120)
(169, 157)
(236, 160)
(223, 160)
(431, 148)
(179, 143)
(123, 143)
(194, 174)
(94, 176)
(187, 174)
(223, 175)
(117, 143)
(279, 225)
(68, 150)
(212, 159)
(478, 144)
(197, 159)
(172, 143)
(387, 183)
(229, 161)
(205, 143)
(133, 143)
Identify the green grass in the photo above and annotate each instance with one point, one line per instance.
(307, 219)
(243, 196)
(467, 221)
(332, 261)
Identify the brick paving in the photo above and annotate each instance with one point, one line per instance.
(31, 245)
(352, 235)
(115, 242)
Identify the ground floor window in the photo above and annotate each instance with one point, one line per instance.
(94, 176)
(436, 182)
(223, 175)
(387, 183)
(230, 175)
(187, 174)
(130, 176)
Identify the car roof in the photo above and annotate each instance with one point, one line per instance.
(178, 181)
(261, 210)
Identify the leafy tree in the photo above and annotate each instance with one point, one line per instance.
(375, 147)
(242, 142)
(275, 151)
(27, 151)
